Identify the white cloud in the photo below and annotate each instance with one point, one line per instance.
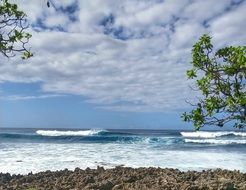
(144, 72)
(20, 97)
(229, 29)
(159, 13)
(57, 20)
(201, 10)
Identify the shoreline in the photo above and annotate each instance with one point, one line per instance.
(126, 178)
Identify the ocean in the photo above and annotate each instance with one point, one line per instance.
(34, 150)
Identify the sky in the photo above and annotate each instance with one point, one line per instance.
(112, 63)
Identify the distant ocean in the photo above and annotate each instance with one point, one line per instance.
(32, 150)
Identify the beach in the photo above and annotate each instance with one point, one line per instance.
(126, 178)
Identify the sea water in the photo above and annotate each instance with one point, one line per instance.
(34, 150)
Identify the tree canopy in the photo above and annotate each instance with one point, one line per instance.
(13, 35)
(221, 78)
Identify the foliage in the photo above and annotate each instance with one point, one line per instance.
(13, 35)
(221, 78)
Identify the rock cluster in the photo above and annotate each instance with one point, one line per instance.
(125, 178)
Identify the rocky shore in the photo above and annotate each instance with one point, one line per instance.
(125, 178)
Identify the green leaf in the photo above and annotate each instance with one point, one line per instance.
(221, 82)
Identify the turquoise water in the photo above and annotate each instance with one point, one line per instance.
(34, 150)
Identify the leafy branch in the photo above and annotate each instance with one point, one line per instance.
(13, 35)
(222, 82)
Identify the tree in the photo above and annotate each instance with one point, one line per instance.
(13, 35)
(221, 79)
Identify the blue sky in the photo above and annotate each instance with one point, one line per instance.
(111, 63)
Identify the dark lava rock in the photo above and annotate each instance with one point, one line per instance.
(127, 179)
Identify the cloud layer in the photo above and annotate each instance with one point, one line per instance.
(122, 55)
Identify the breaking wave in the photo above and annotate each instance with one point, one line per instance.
(55, 133)
(209, 134)
(216, 141)
(89, 136)
(186, 139)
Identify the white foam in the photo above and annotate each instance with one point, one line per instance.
(243, 134)
(38, 157)
(210, 134)
(69, 133)
(215, 141)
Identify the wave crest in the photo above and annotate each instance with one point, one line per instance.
(208, 134)
(56, 133)
(215, 141)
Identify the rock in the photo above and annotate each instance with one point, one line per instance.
(118, 187)
(88, 179)
(77, 170)
(100, 169)
(126, 178)
(5, 178)
(105, 185)
(227, 186)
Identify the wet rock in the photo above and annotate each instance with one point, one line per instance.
(5, 178)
